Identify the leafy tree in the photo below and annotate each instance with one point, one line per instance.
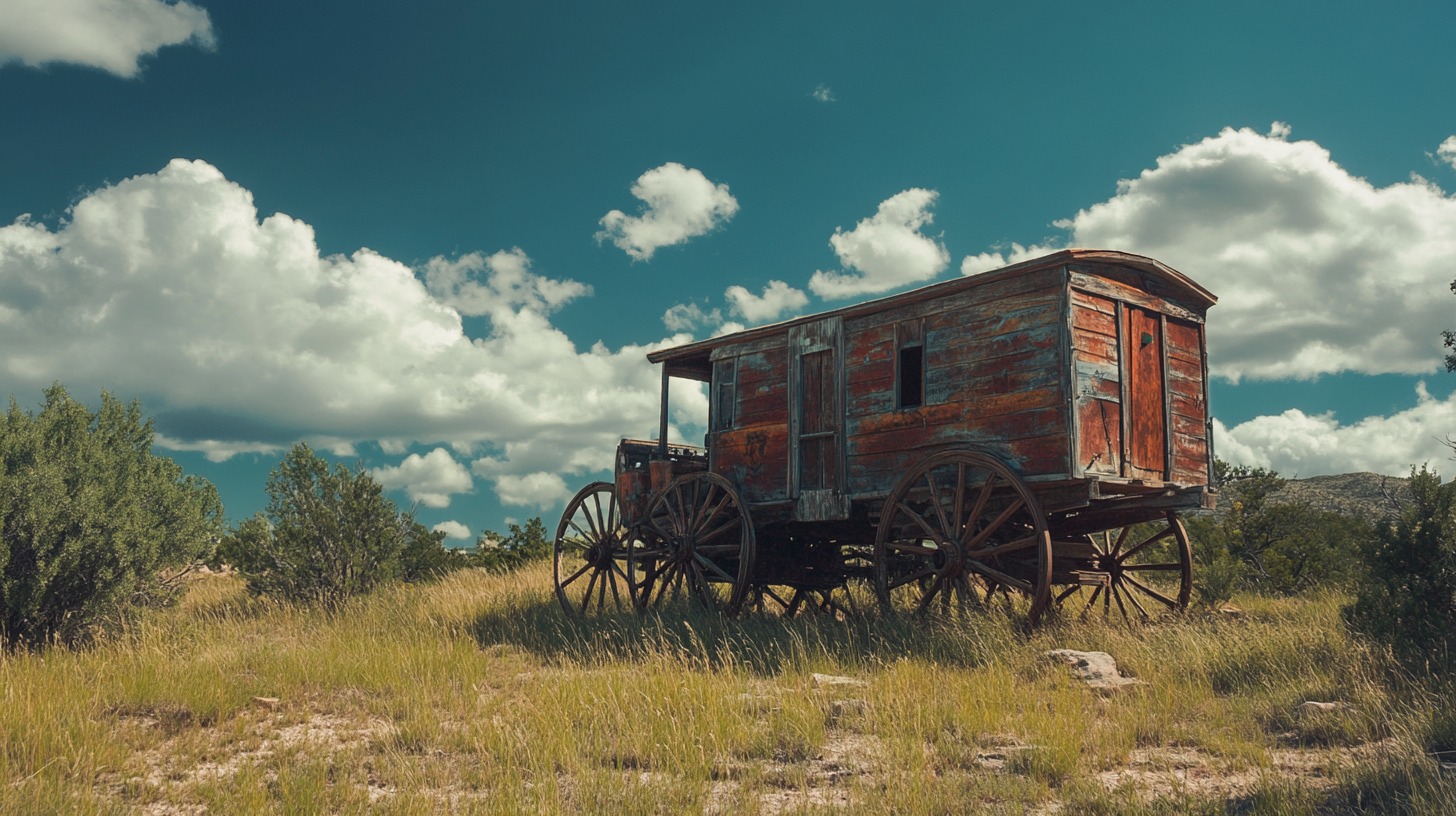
(1408, 598)
(499, 553)
(1263, 542)
(326, 534)
(92, 522)
(424, 555)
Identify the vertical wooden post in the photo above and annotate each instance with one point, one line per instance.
(662, 418)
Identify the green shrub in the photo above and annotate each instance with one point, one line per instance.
(1258, 541)
(327, 534)
(93, 523)
(499, 553)
(425, 557)
(1408, 597)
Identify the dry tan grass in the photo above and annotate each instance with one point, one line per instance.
(476, 695)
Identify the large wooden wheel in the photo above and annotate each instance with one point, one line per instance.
(590, 553)
(701, 545)
(1137, 572)
(957, 529)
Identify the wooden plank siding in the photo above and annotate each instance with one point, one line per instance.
(993, 380)
(1097, 383)
(1084, 368)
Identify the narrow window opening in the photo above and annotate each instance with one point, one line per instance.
(912, 376)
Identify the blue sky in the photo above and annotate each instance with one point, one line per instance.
(438, 238)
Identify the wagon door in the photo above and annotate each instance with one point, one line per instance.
(1146, 395)
(816, 423)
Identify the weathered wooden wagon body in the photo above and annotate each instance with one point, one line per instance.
(1003, 431)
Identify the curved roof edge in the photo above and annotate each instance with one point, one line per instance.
(1196, 294)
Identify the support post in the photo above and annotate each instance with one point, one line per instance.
(662, 418)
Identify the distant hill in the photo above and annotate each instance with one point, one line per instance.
(1367, 495)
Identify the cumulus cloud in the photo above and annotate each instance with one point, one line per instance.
(1296, 443)
(453, 529)
(777, 298)
(430, 479)
(478, 284)
(678, 203)
(823, 93)
(1447, 151)
(686, 317)
(112, 35)
(237, 335)
(540, 489)
(1318, 271)
(885, 250)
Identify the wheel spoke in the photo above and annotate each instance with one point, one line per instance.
(585, 536)
(719, 530)
(590, 585)
(936, 586)
(1121, 537)
(915, 577)
(1151, 567)
(1068, 591)
(1002, 549)
(1112, 590)
(995, 524)
(575, 575)
(958, 531)
(1092, 601)
(999, 576)
(707, 519)
(704, 562)
(597, 527)
(982, 499)
(946, 529)
(1156, 537)
(1149, 591)
(920, 522)
(912, 549)
(1132, 598)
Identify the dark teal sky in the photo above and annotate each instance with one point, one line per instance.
(440, 129)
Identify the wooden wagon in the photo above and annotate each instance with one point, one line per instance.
(1029, 434)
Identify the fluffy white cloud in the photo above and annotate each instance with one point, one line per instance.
(540, 489)
(885, 250)
(678, 203)
(1299, 444)
(685, 317)
(1317, 271)
(238, 335)
(479, 284)
(430, 479)
(453, 529)
(823, 93)
(1447, 151)
(112, 35)
(777, 298)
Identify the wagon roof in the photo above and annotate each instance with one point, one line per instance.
(691, 359)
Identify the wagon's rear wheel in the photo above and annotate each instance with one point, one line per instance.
(702, 545)
(590, 553)
(957, 530)
(1136, 572)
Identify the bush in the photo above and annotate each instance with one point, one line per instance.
(425, 557)
(1260, 542)
(326, 534)
(499, 553)
(92, 522)
(1408, 598)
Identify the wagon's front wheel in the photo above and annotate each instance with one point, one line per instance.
(702, 545)
(590, 553)
(1138, 572)
(958, 529)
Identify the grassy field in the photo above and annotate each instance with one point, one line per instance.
(476, 694)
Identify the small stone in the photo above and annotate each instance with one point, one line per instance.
(839, 709)
(1097, 669)
(1309, 707)
(827, 680)
(269, 703)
